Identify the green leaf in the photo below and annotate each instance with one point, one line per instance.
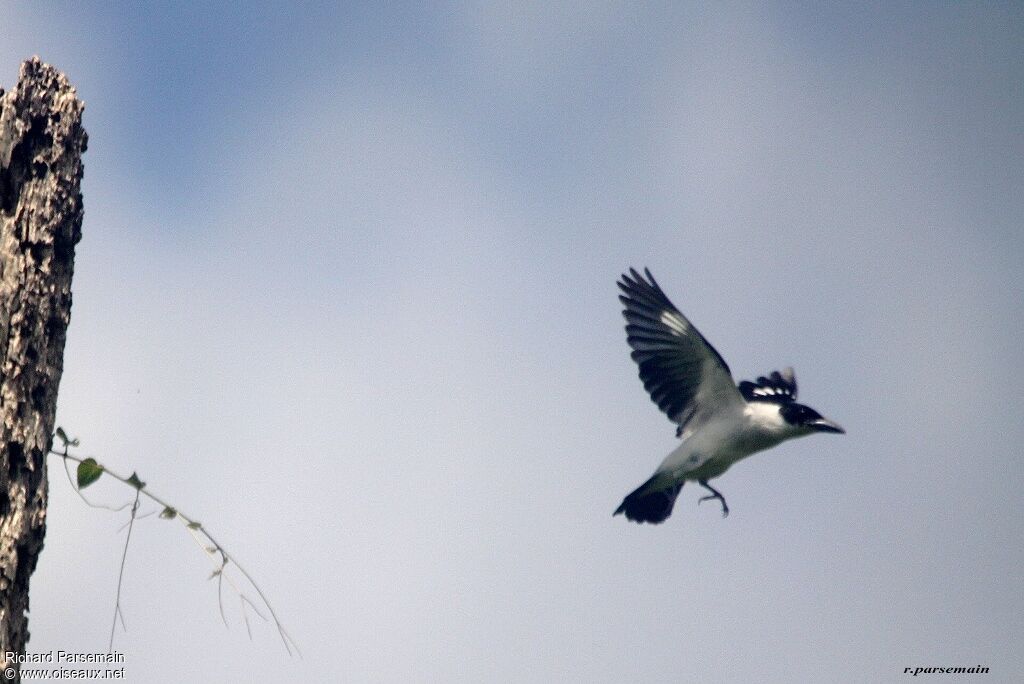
(88, 472)
(134, 481)
(195, 525)
(168, 513)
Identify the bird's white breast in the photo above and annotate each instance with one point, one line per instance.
(710, 450)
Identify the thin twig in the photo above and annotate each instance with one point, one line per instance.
(120, 574)
(195, 528)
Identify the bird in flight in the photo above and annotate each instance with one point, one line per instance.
(719, 422)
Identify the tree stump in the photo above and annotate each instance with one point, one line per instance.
(41, 146)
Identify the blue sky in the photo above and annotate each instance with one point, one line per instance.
(346, 294)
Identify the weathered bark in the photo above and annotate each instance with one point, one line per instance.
(41, 146)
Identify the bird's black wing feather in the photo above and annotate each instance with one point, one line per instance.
(685, 376)
(777, 388)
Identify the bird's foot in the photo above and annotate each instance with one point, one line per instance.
(725, 507)
(715, 494)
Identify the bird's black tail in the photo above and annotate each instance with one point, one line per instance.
(650, 502)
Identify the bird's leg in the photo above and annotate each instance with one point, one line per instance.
(715, 494)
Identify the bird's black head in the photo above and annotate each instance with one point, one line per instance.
(805, 417)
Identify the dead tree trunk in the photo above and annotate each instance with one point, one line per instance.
(41, 146)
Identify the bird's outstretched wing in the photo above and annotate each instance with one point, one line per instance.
(777, 388)
(682, 372)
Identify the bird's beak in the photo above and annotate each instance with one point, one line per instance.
(826, 425)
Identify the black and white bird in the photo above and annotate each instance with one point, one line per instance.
(719, 422)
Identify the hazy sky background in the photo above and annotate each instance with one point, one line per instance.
(346, 294)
